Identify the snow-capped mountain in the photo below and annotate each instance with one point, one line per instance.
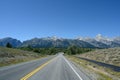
(117, 39)
(56, 42)
(12, 41)
(99, 37)
(99, 41)
(94, 42)
(102, 41)
(54, 38)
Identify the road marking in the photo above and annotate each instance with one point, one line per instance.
(36, 70)
(72, 68)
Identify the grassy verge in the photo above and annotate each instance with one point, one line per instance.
(102, 73)
(11, 61)
(10, 56)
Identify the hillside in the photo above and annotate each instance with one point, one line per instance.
(14, 42)
(110, 56)
(11, 56)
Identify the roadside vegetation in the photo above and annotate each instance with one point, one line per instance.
(93, 70)
(10, 56)
(71, 50)
(108, 56)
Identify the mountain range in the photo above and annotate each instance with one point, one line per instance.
(14, 42)
(99, 41)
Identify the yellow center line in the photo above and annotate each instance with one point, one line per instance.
(36, 70)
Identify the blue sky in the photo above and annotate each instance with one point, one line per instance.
(26, 19)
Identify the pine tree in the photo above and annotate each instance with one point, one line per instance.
(8, 45)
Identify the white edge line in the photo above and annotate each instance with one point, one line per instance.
(72, 68)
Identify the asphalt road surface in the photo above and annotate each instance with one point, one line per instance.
(51, 68)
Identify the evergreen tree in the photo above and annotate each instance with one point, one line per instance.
(8, 45)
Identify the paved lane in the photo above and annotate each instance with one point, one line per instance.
(59, 69)
(16, 72)
(51, 68)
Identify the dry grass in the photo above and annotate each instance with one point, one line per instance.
(110, 56)
(98, 72)
(10, 56)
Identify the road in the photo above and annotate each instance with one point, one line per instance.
(51, 68)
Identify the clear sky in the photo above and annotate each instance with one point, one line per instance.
(26, 19)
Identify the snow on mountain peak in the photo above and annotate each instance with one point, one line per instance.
(117, 38)
(85, 38)
(52, 38)
(99, 37)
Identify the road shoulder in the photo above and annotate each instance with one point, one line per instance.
(90, 70)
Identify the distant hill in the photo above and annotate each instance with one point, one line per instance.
(14, 42)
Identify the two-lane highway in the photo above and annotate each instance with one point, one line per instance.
(50, 68)
(16, 72)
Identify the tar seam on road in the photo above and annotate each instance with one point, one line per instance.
(36, 70)
(73, 69)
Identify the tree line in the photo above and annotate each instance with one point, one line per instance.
(71, 50)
